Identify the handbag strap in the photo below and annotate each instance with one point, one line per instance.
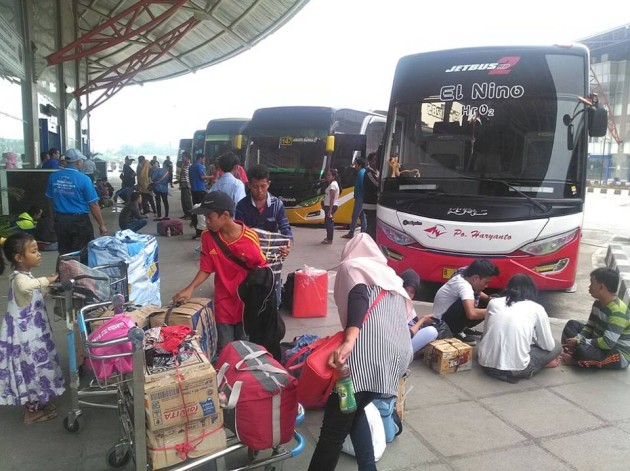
(380, 296)
(228, 253)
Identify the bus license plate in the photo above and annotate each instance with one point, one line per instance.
(447, 273)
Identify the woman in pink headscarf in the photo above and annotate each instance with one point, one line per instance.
(376, 348)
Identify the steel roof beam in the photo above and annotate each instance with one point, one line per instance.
(114, 31)
(113, 80)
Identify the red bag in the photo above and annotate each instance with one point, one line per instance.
(317, 378)
(174, 226)
(261, 395)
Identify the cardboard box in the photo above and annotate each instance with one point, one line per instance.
(174, 396)
(141, 315)
(402, 393)
(156, 373)
(203, 436)
(448, 356)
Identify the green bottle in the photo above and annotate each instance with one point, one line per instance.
(345, 390)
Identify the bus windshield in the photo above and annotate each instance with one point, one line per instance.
(300, 152)
(469, 133)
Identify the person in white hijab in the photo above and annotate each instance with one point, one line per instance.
(374, 310)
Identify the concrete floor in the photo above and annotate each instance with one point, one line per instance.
(562, 419)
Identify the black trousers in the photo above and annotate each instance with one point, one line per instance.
(74, 232)
(197, 197)
(455, 318)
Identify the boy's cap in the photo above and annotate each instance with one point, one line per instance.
(74, 155)
(215, 201)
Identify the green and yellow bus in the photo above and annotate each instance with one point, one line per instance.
(300, 143)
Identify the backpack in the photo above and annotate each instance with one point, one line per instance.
(295, 353)
(286, 297)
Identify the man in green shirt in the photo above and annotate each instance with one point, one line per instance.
(604, 341)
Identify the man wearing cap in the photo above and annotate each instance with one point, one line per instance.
(72, 197)
(224, 234)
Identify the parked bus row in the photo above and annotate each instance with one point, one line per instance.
(482, 155)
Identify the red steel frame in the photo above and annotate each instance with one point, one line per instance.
(114, 31)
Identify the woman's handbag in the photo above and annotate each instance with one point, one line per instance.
(317, 378)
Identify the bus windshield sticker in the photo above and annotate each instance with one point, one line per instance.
(467, 211)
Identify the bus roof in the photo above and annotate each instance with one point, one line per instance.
(226, 125)
(575, 48)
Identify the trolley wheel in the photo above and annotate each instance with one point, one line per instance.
(118, 455)
(73, 427)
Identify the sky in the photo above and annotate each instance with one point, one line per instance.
(339, 53)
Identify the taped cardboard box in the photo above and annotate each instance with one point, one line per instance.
(196, 313)
(189, 392)
(448, 356)
(141, 315)
(203, 436)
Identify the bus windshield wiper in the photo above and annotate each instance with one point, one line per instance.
(536, 203)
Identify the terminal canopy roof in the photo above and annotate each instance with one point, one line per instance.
(136, 41)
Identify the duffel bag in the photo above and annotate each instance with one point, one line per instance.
(196, 313)
(170, 227)
(262, 404)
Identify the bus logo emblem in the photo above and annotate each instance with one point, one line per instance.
(435, 231)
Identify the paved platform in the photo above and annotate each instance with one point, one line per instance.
(562, 419)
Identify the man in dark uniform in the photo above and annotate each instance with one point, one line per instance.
(72, 197)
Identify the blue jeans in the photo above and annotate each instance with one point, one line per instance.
(335, 429)
(357, 213)
(329, 222)
(135, 224)
(124, 193)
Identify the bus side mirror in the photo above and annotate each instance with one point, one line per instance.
(597, 121)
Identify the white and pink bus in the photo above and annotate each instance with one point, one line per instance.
(484, 156)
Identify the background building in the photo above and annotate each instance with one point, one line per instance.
(610, 79)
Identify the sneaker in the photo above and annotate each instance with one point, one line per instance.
(347, 236)
(466, 339)
(473, 333)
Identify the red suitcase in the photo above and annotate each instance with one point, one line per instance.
(170, 227)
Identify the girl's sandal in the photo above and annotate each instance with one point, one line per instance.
(38, 416)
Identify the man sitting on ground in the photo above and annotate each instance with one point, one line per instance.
(456, 304)
(604, 341)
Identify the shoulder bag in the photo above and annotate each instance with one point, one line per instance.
(317, 378)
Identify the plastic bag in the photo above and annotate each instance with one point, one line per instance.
(377, 431)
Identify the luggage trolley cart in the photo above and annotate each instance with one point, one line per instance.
(129, 389)
(71, 295)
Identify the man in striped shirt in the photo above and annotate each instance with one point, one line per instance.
(604, 341)
(184, 185)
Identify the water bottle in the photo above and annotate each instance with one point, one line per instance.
(345, 389)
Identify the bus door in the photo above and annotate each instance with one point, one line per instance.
(348, 147)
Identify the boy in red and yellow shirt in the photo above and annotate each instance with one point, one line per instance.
(243, 243)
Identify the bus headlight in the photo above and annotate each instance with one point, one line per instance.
(551, 244)
(396, 236)
(310, 202)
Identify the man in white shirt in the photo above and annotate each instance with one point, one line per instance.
(517, 340)
(455, 307)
